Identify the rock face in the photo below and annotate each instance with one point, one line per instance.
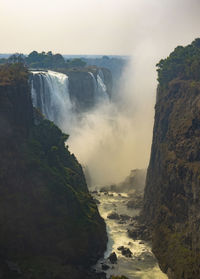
(83, 86)
(50, 225)
(172, 193)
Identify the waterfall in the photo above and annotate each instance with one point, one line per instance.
(90, 130)
(96, 97)
(100, 89)
(50, 94)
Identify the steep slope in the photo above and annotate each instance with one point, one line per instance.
(50, 225)
(172, 193)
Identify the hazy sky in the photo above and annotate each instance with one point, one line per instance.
(96, 26)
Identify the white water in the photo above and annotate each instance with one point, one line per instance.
(50, 93)
(143, 264)
(100, 90)
(51, 96)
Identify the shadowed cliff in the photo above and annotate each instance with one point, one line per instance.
(172, 193)
(50, 225)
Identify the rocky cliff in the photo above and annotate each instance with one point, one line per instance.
(172, 193)
(50, 225)
(83, 85)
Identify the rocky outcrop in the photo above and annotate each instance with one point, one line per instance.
(81, 89)
(50, 225)
(83, 86)
(125, 251)
(172, 193)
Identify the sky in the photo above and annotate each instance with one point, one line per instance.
(96, 26)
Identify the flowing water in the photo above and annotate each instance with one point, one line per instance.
(50, 94)
(142, 264)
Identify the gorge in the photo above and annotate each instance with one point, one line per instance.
(52, 93)
(51, 224)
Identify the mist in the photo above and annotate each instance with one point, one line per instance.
(115, 137)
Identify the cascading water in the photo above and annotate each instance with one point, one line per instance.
(50, 94)
(100, 90)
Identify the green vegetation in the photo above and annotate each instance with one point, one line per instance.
(12, 73)
(76, 62)
(51, 225)
(182, 63)
(172, 201)
(174, 251)
(44, 60)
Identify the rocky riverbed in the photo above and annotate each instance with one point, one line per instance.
(124, 255)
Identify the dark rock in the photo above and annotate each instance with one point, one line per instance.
(114, 216)
(172, 193)
(103, 189)
(139, 232)
(94, 192)
(120, 248)
(125, 251)
(113, 258)
(48, 210)
(124, 217)
(82, 88)
(105, 266)
(122, 222)
(96, 201)
(13, 267)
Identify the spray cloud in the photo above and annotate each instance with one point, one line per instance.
(115, 138)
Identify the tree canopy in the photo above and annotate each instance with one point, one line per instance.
(44, 60)
(183, 63)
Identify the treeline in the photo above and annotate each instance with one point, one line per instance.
(43, 60)
(10, 73)
(182, 63)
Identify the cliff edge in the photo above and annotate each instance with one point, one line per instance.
(172, 193)
(50, 225)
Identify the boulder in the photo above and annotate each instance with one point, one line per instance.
(105, 266)
(113, 258)
(114, 216)
(125, 251)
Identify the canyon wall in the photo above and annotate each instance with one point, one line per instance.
(172, 193)
(50, 225)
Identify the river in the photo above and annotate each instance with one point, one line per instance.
(142, 264)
